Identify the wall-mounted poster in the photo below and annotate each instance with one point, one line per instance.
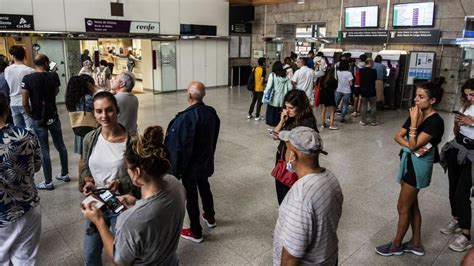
(234, 46)
(245, 46)
(421, 66)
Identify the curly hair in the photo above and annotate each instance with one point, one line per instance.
(148, 152)
(77, 87)
(469, 84)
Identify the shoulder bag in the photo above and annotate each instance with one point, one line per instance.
(281, 174)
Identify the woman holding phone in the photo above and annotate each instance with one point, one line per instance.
(459, 170)
(296, 112)
(104, 167)
(419, 137)
(148, 231)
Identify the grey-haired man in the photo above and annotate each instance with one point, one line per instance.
(127, 102)
(305, 232)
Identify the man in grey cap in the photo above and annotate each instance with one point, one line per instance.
(305, 232)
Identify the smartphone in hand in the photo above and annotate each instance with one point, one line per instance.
(458, 113)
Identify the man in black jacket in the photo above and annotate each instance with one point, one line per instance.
(191, 139)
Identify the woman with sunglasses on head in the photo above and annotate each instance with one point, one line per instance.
(296, 112)
(419, 138)
(147, 233)
(104, 167)
(457, 157)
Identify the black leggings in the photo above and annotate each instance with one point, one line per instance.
(460, 183)
(256, 98)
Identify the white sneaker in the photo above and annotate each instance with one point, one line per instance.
(460, 243)
(249, 117)
(258, 118)
(451, 228)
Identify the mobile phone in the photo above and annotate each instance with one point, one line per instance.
(457, 112)
(427, 146)
(111, 201)
(98, 204)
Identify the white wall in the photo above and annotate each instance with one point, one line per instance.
(69, 15)
(202, 60)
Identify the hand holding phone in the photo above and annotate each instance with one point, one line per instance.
(423, 150)
(457, 113)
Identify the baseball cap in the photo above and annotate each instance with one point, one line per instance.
(304, 139)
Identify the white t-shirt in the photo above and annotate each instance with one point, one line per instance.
(308, 219)
(106, 161)
(343, 78)
(304, 78)
(14, 75)
(467, 130)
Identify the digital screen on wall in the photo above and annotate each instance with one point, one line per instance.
(413, 15)
(469, 27)
(361, 17)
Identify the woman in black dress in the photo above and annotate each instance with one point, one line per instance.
(327, 98)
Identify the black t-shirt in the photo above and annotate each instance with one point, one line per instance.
(43, 88)
(367, 77)
(433, 126)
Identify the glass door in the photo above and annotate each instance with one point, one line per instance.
(164, 66)
(168, 66)
(54, 49)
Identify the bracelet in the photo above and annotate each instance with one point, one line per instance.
(413, 128)
(412, 135)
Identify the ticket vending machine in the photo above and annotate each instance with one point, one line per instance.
(396, 62)
(355, 54)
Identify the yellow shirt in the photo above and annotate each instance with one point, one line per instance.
(258, 79)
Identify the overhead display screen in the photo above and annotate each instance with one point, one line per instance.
(361, 17)
(413, 14)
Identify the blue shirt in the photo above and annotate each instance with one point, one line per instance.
(381, 70)
(20, 158)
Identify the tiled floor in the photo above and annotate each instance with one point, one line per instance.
(363, 158)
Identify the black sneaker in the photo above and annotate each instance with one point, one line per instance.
(389, 250)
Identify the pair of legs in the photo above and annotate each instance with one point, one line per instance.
(92, 247)
(19, 241)
(57, 136)
(20, 118)
(192, 185)
(460, 183)
(281, 191)
(256, 98)
(331, 110)
(368, 103)
(345, 103)
(408, 215)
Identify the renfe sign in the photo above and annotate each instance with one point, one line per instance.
(121, 26)
(16, 22)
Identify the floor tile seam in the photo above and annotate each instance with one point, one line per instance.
(246, 258)
(348, 257)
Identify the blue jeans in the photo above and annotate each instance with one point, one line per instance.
(20, 118)
(57, 136)
(345, 102)
(92, 249)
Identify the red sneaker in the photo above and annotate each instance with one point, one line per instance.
(186, 233)
(211, 222)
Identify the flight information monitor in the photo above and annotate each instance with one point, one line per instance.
(361, 17)
(413, 15)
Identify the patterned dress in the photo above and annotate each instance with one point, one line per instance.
(20, 156)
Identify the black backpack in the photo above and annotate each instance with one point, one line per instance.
(251, 81)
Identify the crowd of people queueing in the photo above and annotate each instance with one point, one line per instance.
(291, 92)
(143, 170)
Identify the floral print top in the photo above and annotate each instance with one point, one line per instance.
(20, 158)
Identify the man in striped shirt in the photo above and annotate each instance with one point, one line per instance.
(305, 233)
